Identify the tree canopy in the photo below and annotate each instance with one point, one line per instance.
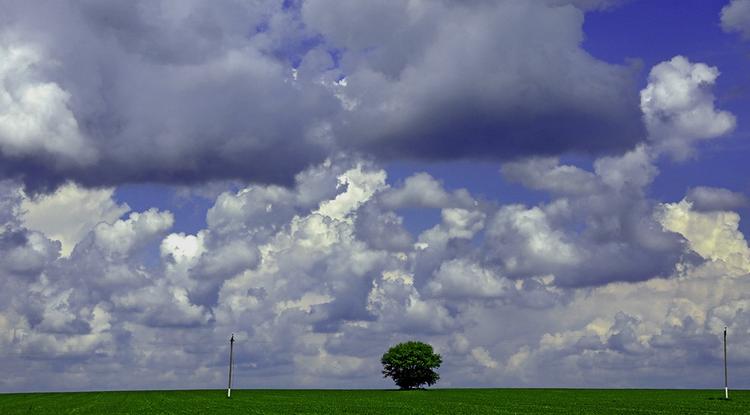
(411, 364)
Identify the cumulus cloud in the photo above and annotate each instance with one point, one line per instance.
(483, 357)
(314, 270)
(487, 106)
(600, 221)
(315, 293)
(422, 190)
(26, 253)
(735, 17)
(259, 91)
(190, 90)
(466, 280)
(678, 106)
(590, 233)
(714, 235)
(69, 213)
(526, 243)
(640, 328)
(35, 115)
(122, 236)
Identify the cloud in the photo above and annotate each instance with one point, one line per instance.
(586, 286)
(35, 115)
(547, 174)
(466, 280)
(483, 357)
(210, 110)
(422, 190)
(410, 98)
(150, 308)
(735, 17)
(27, 254)
(589, 234)
(526, 243)
(633, 170)
(600, 221)
(678, 106)
(360, 186)
(260, 92)
(309, 261)
(714, 235)
(712, 198)
(590, 4)
(69, 213)
(647, 327)
(122, 236)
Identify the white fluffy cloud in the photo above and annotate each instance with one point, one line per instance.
(526, 242)
(69, 213)
(122, 236)
(678, 106)
(35, 116)
(714, 235)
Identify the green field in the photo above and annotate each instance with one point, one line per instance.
(435, 401)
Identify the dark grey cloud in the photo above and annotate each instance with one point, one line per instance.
(415, 88)
(161, 92)
(194, 92)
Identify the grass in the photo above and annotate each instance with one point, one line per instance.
(434, 401)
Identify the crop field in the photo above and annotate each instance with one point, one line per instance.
(434, 401)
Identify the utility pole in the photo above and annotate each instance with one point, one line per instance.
(231, 356)
(726, 378)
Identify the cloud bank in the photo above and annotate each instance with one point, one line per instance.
(311, 262)
(598, 286)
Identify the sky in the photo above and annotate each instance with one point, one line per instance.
(552, 193)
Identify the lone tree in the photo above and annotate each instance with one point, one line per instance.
(411, 364)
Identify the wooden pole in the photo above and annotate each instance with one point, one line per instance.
(726, 378)
(231, 357)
